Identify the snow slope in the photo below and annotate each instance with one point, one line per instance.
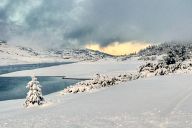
(158, 102)
(154, 102)
(10, 55)
(84, 69)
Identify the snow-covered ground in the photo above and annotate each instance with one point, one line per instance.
(153, 102)
(84, 69)
(158, 102)
(10, 55)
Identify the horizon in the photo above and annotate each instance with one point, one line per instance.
(110, 26)
(95, 63)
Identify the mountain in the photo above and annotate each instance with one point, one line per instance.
(80, 54)
(21, 55)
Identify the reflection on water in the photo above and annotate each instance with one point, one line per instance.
(14, 87)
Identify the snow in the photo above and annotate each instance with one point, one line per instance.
(152, 102)
(157, 102)
(85, 69)
(34, 95)
(10, 55)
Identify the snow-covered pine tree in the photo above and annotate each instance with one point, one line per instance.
(34, 96)
(183, 55)
(170, 58)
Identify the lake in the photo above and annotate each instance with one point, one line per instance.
(15, 87)
(20, 67)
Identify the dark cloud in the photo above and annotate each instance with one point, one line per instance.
(72, 23)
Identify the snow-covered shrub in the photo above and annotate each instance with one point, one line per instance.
(151, 69)
(99, 81)
(162, 68)
(177, 60)
(34, 96)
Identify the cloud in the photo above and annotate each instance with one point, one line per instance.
(117, 48)
(20, 10)
(76, 23)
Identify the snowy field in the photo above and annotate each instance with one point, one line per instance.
(158, 102)
(85, 69)
(11, 55)
(95, 64)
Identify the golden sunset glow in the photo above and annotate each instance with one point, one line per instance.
(119, 48)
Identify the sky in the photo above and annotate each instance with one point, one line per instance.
(98, 24)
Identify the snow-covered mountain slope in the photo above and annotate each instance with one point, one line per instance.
(158, 102)
(80, 54)
(22, 55)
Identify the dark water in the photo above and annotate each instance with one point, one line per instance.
(19, 67)
(14, 87)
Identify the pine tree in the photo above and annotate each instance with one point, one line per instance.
(170, 58)
(183, 54)
(34, 96)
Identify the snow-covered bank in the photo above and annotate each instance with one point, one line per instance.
(11, 55)
(158, 102)
(144, 71)
(84, 69)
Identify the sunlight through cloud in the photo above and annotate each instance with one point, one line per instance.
(117, 48)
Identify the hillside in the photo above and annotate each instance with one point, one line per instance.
(22, 55)
(163, 48)
(127, 93)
